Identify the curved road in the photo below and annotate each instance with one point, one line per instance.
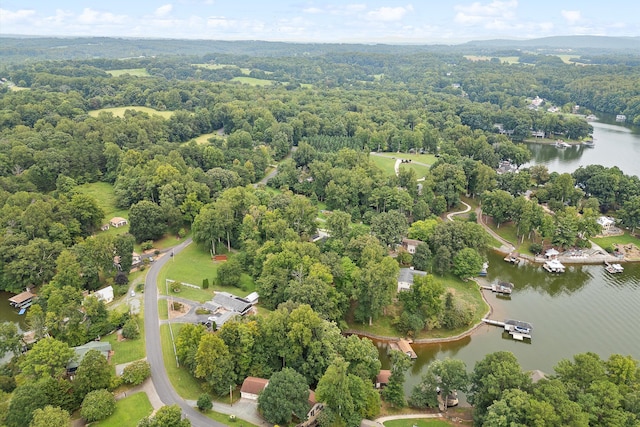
(154, 347)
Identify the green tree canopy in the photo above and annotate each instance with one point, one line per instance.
(286, 395)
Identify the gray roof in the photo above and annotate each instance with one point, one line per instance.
(231, 302)
(406, 274)
(103, 347)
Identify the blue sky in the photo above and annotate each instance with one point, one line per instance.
(390, 21)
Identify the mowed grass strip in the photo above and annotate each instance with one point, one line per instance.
(119, 111)
(426, 422)
(137, 72)
(623, 239)
(105, 196)
(185, 384)
(252, 81)
(129, 411)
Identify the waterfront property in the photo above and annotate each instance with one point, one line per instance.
(513, 258)
(382, 379)
(23, 300)
(553, 266)
(403, 346)
(405, 278)
(518, 329)
(613, 268)
(410, 245)
(504, 288)
(104, 294)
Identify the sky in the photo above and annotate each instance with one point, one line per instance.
(374, 21)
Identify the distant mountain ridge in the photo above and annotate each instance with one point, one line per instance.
(564, 42)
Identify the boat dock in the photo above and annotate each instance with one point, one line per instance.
(22, 301)
(553, 266)
(403, 346)
(504, 288)
(613, 268)
(513, 258)
(518, 329)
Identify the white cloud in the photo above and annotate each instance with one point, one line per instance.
(490, 14)
(164, 10)
(91, 16)
(388, 14)
(571, 16)
(10, 17)
(312, 10)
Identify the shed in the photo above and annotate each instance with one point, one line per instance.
(118, 221)
(252, 298)
(22, 300)
(382, 379)
(252, 387)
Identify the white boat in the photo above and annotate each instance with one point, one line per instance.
(561, 144)
(614, 268)
(589, 143)
(553, 266)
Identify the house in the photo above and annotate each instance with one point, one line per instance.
(607, 223)
(117, 222)
(104, 294)
(224, 307)
(101, 346)
(382, 379)
(252, 298)
(410, 245)
(551, 253)
(252, 387)
(405, 278)
(621, 118)
(314, 412)
(232, 302)
(135, 258)
(537, 133)
(506, 167)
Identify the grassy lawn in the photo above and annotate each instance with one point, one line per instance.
(192, 265)
(252, 81)
(105, 196)
(138, 72)
(421, 171)
(184, 383)
(204, 138)
(129, 411)
(508, 231)
(422, 158)
(417, 422)
(624, 239)
(244, 71)
(224, 419)
(163, 309)
(119, 111)
(128, 350)
(387, 164)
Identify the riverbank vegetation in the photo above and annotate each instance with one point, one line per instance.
(65, 171)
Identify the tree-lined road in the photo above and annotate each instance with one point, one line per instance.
(159, 375)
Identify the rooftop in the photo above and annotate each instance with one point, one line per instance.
(406, 274)
(254, 385)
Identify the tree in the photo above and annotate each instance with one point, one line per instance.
(50, 416)
(10, 339)
(166, 416)
(491, 376)
(47, 358)
(286, 395)
(389, 227)
(421, 257)
(25, 400)
(393, 393)
(338, 224)
(377, 285)
(93, 373)
(98, 405)
(147, 221)
(204, 402)
(467, 263)
(187, 343)
(443, 377)
(214, 364)
(630, 213)
(229, 273)
(136, 372)
(130, 330)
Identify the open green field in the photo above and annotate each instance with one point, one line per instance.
(252, 81)
(105, 196)
(387, 164)
(192, 265)
(119, 111)
(204, 138)
(429, 159)
(129, 411)
(128, 350)
(244, 71)
(624, 239)
(137, 72)
(426, 422)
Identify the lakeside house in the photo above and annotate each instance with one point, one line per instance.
(103, 347)
(405, 278)
(104, 294)
(382, 379)
(22, 300)
(606, 222)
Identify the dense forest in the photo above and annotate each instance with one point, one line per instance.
(191, 163)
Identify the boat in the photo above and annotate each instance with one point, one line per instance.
(589, 143)
(553, 266)
(561, 144)
(483, 272)
(613, 268)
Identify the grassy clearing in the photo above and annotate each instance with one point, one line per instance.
(624, 239)
(119, 111)
(192, 265)
(224, 419)
(128, 350)
(204, 138)
(387, 164)
(507, 59)
(137, 72)
(422, 158)
(417, 422)
(129, 411)
(181, 379)
(244, 71)
(252, 81)
(105, 196)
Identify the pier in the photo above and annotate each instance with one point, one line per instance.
(613, 268)
(405, 347)
(518, 329)
(503, 288)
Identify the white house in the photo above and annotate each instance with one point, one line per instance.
(607, 223)
(104, 294)
(117, 221)
(405, 278)
(410, 245)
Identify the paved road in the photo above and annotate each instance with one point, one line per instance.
(154, 348)
(464, 211)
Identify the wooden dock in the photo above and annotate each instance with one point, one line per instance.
(405, 347)
(613, 268)
(503, 288)
(518, 329)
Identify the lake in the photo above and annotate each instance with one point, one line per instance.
(584, 309)
(616, 144)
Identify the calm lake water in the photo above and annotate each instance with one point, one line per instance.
(615, 145)
(585, 309)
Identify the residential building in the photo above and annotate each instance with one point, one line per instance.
(405, 278)
(252, 387)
